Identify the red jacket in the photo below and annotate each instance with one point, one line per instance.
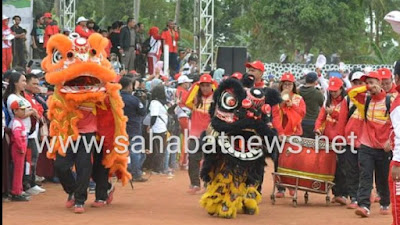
(35, 104)
(83, 32)
(50, 30)
(377, 125)
(353, 124)
(328, 124)
(287, 120)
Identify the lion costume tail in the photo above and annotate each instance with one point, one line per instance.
(227, 194)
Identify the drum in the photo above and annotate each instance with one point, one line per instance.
(313, 162)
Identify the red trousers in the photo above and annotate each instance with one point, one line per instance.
(184, 123)
(7, 59)
(394, 198)
(151, 63)
(18, 161)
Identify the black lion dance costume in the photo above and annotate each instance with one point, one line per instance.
(234, 171)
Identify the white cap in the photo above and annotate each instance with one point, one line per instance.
(394, 19)
(5, 17)
(184, 79)
(81, 19)
(357, 75)
(321, 61)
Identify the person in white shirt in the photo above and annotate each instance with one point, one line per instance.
(158, 128)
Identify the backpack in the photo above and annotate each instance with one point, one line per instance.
(352, 109)
(387, 102)
(173, 125)
(146, 47)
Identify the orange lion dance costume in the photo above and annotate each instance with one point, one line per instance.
(85, 99)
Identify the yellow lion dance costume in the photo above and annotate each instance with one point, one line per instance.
(82, 76)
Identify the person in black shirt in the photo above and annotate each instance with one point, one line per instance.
(135, 111)
(18, 43)
(114, 38)
(37, 35)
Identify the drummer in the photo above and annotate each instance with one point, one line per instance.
(288, 116)
(327, 125)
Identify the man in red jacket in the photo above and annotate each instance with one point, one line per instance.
(170, 36)
(376, 130)
(51, 28)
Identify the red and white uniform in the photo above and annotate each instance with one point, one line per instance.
(394, 187)
(6, 47)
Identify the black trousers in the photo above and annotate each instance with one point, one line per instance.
(194, 164)
(308, 128)
(371, 159)
(35, 155)
(158, 156)
(352, 172)
(340, 189)
(173, 63)
(18, 56)
(100, 176)
(83, 165)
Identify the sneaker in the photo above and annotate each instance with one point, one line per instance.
(352, 205)
(362, 211)
(39, 189)
(32, 191)
(341, 200)
(280, 194)
(140, 179)
(110, 194)
(25, 194)
(19, 198)
(170, 175)
(384, 210)
(92, 190)
(99, 204)
(70, 201)
(155, 173)
(78, 208)
(193, 190)
(39, 179)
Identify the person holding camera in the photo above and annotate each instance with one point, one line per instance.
(170, 35)
(135, 111)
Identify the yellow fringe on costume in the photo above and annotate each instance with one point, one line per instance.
(225, 197)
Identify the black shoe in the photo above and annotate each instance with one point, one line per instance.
(20, 198)
(140, 179)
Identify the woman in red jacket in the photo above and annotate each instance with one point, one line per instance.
(288, 115)
(327, 124)
(198, 100)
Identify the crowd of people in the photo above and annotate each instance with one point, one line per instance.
(163, 104)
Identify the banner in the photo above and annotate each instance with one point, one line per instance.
(24, 9)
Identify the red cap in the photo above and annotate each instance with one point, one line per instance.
(177, 76)
(287, 77)
(385, 73)
(164, 78)
(206, 78)
(258, 65)
(335, 84)
(133, 72)
(17, 105)
(237, 75)
(47, 15)
(372, 74)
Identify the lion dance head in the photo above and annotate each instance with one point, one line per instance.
(82, 76)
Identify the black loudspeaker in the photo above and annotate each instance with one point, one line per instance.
(232, 59)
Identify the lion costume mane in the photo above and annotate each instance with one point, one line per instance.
(82, 77)
(234, 171)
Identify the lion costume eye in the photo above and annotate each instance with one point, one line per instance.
(57, 56)
(228, 101)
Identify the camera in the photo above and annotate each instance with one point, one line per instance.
(142, 94)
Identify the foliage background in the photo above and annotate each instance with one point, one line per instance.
(354, 29)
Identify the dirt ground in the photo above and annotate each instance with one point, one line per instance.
(165, 201)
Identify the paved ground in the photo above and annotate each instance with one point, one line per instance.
(165, 201)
